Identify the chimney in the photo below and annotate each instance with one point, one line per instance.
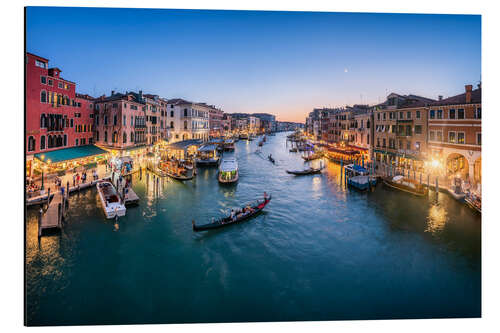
(479, 85)
(140, 95)
(468, 93)
(112, 92)
(440, 97)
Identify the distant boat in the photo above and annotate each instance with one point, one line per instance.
(228, 171)
(241, 215)
(294, 150)
(406, 185)
(270, 157)
(229, 145)
(110, 200)
(309, 171)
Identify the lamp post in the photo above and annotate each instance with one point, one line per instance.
(43, 167)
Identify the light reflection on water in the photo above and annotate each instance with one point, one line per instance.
(319, 251)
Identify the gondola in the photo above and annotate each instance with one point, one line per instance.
(310, 171)
(271, 159)
(406, 185)
(225, 221)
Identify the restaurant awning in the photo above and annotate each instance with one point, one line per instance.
(206, 148)
(68, 154)
(182, 145)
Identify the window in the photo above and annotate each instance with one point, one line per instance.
(461, 137)
(82, 141)
(105, 120)
(105, 136)
(439, 136)
(185, 124)
(31, 143)
(452, 114)
(50, 82)
(172, 112)
(71, 122)
(432, 135)
(418, 129)
(115, 105)
(452, 137)
(96, 135)
(40, 64)
(43, 79)
(401, 115)
(43, 97)
(408, 145)
(60, 85)
(384, 116)
(42, 142)
(440, 114)
(97, 119)
(124, 120)
(400, 144)
(383, 141)
(477, 114)
(478, 138)
(65, 139)
(171, 124)
(432, 114)
(115, 120)
(461, 114)
(185, 112)
(124, 137)
(76, 142)
(418, 114)
(408, 115)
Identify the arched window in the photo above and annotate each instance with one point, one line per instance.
(132, 137)
(114, 139)
(43, 121)
(59, 141)
(65, 140)
(185, 112)
(43, 96)
(59, 99)
(31, 143)
(124, 137)
(106, 136)
(42, 142)
(171, 124)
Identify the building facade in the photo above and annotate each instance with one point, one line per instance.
(187, 120)
(454, 134)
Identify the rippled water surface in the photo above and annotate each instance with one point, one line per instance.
(318, 252)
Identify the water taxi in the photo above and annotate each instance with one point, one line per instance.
(359, 177)
(228, 171)
(406, 185)
(207, 155)
(110, 200)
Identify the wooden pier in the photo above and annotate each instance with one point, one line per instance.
(54, 214)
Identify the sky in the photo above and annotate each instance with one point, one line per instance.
(284, 63)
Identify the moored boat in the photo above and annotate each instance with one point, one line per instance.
(110, 200)
(229, 145)
(313, 156)
(359, 177)
(271, 159)
(207, 155)
(228, 171)
(474, 202)
(240, 215)
(406, 185)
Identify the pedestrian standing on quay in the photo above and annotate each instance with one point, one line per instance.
(78, 178)
(74, 178)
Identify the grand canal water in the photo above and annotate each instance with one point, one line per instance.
(318, 252)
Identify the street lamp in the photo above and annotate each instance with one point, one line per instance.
(43, 167)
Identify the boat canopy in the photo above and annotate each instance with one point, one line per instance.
(207, 148)
(228, 165)
(397, 178)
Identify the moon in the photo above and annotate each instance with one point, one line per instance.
(345, 70)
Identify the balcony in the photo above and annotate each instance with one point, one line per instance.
(404, 134)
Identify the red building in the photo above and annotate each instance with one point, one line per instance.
(56, 117)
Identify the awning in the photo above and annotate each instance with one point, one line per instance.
(182, 145)
(68, 154)
(207, 148)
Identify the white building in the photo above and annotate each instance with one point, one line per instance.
(187, 120)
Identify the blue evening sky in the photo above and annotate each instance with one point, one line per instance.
(284, 63)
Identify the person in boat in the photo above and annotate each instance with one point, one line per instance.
(232, 214)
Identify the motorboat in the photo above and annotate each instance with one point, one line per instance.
(406, 185)
(359, 177)
(111, 202)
